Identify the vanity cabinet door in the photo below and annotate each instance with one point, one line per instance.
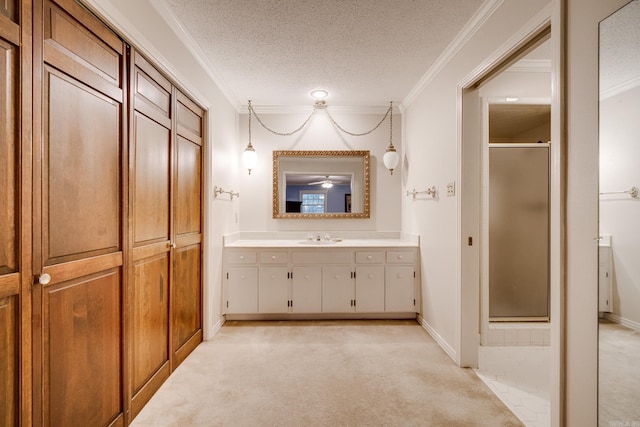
(399, 288)
(273, 290)
(307, 290)
(369, 289)
(242, 290)
(337, 290)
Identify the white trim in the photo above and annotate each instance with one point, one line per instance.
(216, 328)
(438, 339)
(474, 24)
(531, 66)
(620, 88)
(188, 41)
(623, 321)
(533, 26)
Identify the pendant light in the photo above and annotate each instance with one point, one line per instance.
(249, 156)
(391, 157)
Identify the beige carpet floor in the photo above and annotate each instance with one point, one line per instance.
(618, 375)
(323, 373)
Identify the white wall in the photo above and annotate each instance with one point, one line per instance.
(320, 134)
(432, 158)
(143, 26)
(620, 214)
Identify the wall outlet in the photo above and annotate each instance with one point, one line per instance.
(451, 189)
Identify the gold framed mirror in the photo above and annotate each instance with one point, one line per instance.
(321, 184)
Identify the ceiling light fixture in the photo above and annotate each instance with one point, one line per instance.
(249, 156)
(390, 158)
(319, 93)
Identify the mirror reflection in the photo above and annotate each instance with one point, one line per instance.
(321, 184)
(619, 251)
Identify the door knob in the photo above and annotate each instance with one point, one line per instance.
(173, 245)
(44, 279)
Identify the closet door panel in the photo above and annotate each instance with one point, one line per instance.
(9, 361)
(8, 159)
(86, 50)
(151, 175)
(79, 232)
(186, 306)
(188, 187)
(150, 321)
(83, 337)
(187, 292)
(82, 181)
(151, 145)
(9, 9)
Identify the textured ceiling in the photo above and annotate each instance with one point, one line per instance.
(620, 48)
(364, 52)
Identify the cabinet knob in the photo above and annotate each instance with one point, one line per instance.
(370, 276)
(306, 276)
(273, 257)
(44, 279)
(399, 256)
(241, 257)
(273, 276)
(337, 276)
(368, 256)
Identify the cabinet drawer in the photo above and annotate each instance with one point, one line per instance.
(274, 257)
(370, 257)
(400, 257)
(241, 257)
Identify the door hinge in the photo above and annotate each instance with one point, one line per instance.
(414, 302)
(227, 276)
(227, 304)
(414, 274)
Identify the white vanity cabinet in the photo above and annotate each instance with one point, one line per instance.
(306, 289)
(321, 281)
(338, 293)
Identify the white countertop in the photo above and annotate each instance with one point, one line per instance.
(338, 239)
(346, 243)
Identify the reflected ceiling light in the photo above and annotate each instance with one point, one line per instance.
(319, 93)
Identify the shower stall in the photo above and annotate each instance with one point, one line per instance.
(518, 232)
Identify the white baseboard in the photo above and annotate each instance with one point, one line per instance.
(437, 338)
(623, 321)
(216, 328)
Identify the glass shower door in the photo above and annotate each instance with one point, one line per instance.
(518, 232)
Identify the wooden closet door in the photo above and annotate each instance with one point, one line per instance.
(150, 173)
(186, 294)
(9, 216)
(78, 242)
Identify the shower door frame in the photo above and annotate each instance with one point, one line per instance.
(485, 319)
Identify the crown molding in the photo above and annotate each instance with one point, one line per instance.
(194, 48)
(619, 88)
(474, 24)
